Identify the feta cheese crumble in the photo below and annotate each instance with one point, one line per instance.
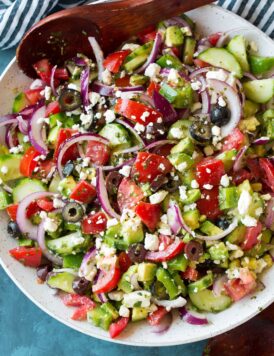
(151, 242)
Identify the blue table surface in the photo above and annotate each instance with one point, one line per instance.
(25, 330)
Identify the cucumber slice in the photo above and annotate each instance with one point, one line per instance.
(201, 284)
(206, 300)
(137, 57)
(220, 57)
(260, 65)
(5, 199)
(25, 187)
(11, 164)
(237, 47)
(259, 91)
(66, 245)
(116, 134)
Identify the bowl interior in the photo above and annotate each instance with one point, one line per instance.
(209, 19)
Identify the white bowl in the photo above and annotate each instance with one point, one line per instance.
(209, 19)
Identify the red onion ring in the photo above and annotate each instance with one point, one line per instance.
(129, 126)
(192, 317)
(250, 76)
(137, 88)
(22, 125)
(261, 141)
(177, 20)
(99, 56)
(25, 225)
(71, 141)
(88, 263)
(238, 163)
(35, 131)
(205, 102)
(102, 89)
(11, 136)
(164, 107)
(114, 168)
(103, 298)
(42, 244)
(84, 87)
(153, 54)
(269, 214)
(164, 324)
(52, 85)
(103, 195)
(218, 285)
(160, 143)
(166, 71)
(130, 149)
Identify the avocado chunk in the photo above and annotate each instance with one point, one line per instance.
(181, 161)
(20, 102)
(185, 146)
(146, 271)
(12, 164)
(206, 300)
(208, 228)
(191, 218)
(66, 186)
(237, 236)
(61, 280)
(179, 263)
(174, 36)
(132, 231)
(228, 158)
(124, 283)
(139, 313)
(218, 252)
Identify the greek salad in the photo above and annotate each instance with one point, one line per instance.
(142, 183)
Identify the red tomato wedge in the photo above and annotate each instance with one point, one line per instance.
(238, 288)
(76, 300)
(114, 60)
(156, 317)
(137, 112)
(61, 73)
(83, 192)
(97, 152)
(152, 87)
(234, 140)
(209, 171)
(12, 211)
(268, 169)
(29, 256)
(170, 252)
(72, 153)
(209, 204)
(116, 328)
(214, 38)
(129, 194)
(123, 81)
(251, 236)
(191, 274)
(28, 164)
(94, 223)
(149, 214)
(43, 69)
(149, 165)
(108, 278)
(33, 95)
(148, 34)
(32, 209)
(52, 108)
(45, 204)
(240, 176)
(201, 64)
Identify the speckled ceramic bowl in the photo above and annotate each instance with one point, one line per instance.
(209, 19)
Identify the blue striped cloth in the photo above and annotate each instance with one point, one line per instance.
(17, 16)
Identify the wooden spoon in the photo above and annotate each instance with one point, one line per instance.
(64, 34)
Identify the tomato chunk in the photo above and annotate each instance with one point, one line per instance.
(52, 108)
(149, 165)
(61, 73)
(29, 256)
(12, 211)
(209, 171)
(135, 111)
(109, 276)
(153, 86)
(45, 204)
(97, 152)
(72, 152)
(33, 95)
(191, 274)
(148, 34)
(234, 140)
(76, 300)
(214, 38)
(251, 236)
(240, 176)
(116, 328)
(114, 60)
(238, 288)
(201, 64)
(122, 81)
(209, 204)
(94, 223)
(171, 251)
(43, 69)
(28, 164)
(129, 194)
(149, 214)
(155, 317)
(83, 192)
(268, 168)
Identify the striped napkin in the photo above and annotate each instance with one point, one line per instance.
(17, 16)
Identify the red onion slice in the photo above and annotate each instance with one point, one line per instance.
(233, 102)
(238, 163)
(52, 85)
(164, 324)
(192, 317)
(35, 133)
(11, 136)
(103, 195)
(99, 56)
(134, 282)
(137, 88)
(129, 126)
(102, 89)
(164, 107)
(84, 87)
(218, 285)
(205, 102)
(166, 71)
(222, 41)
(25, 225)
(174, 218)
(250, 76)
(160, 143)
(22, 125)
(153, 54)
(177, 20)
(114, 168)
(269, 214)
(261, 141)
(42, 244)
(88, 265)
(171, 304)
(130, 149)
(75, 139)
(103, 298)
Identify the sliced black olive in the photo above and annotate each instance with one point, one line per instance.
(43, 271)
(193, 250)
(220, 115)
(137, 253)
(155, 131)
(113, 181)
(73, 212)
(172, 185)
(222, 223)
(81, 285)
(68, 168)
(200, 131)
(13, 229)
(158, 182)
(70, 100)
(158, 290)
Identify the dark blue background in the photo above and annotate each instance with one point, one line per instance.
(25, 330)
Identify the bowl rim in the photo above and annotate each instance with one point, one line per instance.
(226, 327)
